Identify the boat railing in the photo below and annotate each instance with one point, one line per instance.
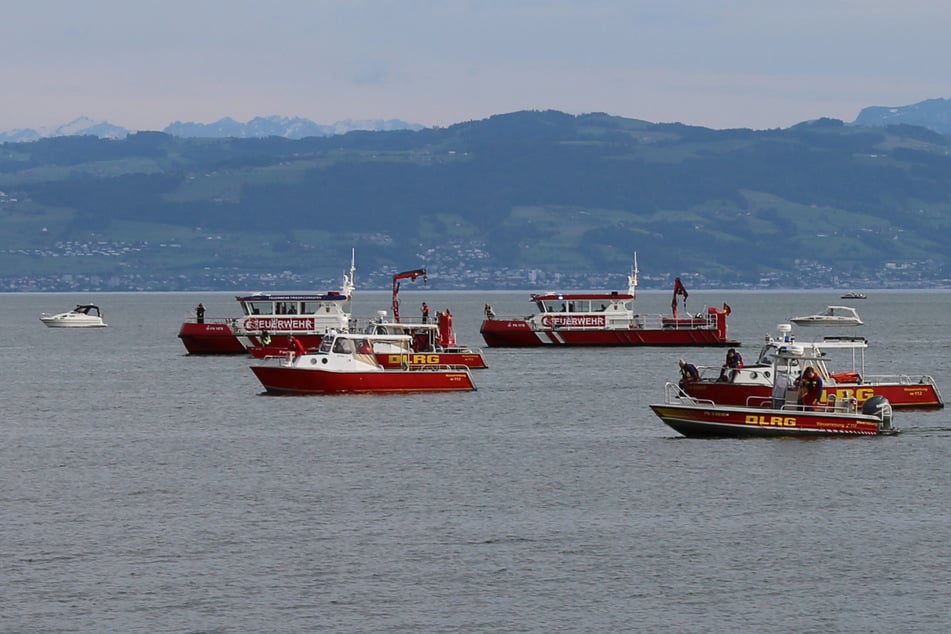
(845, 404)
(759, 401)
(228, 321)
(684, 322)
(439, 367)
(673, 393)
(901, 379)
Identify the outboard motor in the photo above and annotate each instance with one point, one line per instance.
(879, 406)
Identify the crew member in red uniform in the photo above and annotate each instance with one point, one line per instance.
(296, 345)
(810, 388)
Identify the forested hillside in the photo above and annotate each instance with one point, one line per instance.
(523, 200)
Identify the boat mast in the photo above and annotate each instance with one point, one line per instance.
(632, 278)
(346, 288)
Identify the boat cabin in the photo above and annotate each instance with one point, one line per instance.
(583, 303)
(88, 309)
(770, 355)
(296, 304)
(356, 350)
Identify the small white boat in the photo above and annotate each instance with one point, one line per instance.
(83, 316)
(831, 316)
(854, 295)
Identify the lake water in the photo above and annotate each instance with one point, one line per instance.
(144, 490)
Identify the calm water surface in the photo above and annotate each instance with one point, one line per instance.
(147, 491)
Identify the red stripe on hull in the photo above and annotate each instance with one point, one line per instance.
(283, 380)
(517, 334)
(899, 396)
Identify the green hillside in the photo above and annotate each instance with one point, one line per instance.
(510, 201)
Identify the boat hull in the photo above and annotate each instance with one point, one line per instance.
(292, 380)
(71, 323)
(899, 395)
(210, 338)
(709, 421)
(502, 333)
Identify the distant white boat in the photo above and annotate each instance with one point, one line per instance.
(853, 295)
(831, 316)
(83, 316)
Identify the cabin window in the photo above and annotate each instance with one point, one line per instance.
(260, 308)
(308, 308)
(325, 345)
(343, 346)
(552, 306)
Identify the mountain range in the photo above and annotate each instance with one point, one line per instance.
(287, 127)
(934, 114)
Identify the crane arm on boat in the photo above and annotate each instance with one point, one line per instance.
(411, 275)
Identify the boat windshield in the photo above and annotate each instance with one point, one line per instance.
(767, 356)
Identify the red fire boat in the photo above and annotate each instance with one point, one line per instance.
(606, 319)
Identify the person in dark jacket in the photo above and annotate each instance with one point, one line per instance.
(688, 373)
(734, 361)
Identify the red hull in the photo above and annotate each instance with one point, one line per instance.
(907, 396)
(697, 422)
(209, 338)
(285, 380)
(518, 334)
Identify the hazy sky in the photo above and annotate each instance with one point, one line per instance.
(722, 64)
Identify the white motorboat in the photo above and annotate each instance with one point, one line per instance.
(83, 316)
(831, 316)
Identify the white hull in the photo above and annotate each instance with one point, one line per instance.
(51, 323)
(831, 316)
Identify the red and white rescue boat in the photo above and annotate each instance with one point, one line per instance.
(431, 342)
(606, 319)
(269, 318)
(778, 414)
(735, 386)
(345, 363)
